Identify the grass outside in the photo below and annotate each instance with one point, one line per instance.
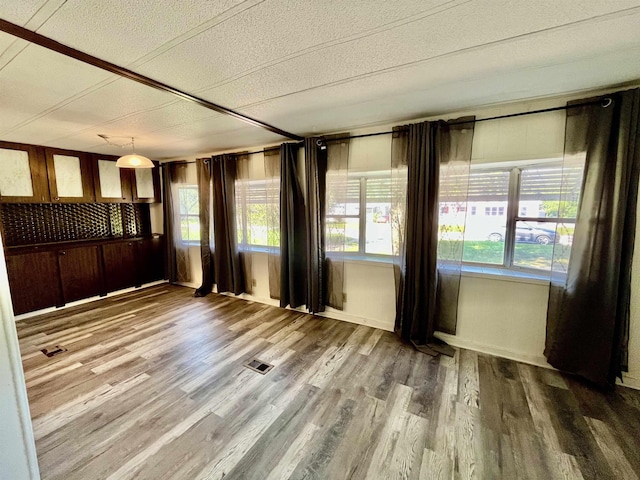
(530, 255)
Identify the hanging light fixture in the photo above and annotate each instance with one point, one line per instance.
(134, 160)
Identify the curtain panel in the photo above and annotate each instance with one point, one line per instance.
(336, 199)
(229, 271)
(203, 166)
(177, 262)
(272, 184)
(588, 314)
(293, 231)
(244, 219)
(221, 260)
(427, 289)
(316, 172)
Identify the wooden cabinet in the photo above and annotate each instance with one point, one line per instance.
(23, 176)
(150, 258)
(112, 184)
(70, 176)
(145, 184)
(80, 273)
(34, 281)
(53, 275)
(120, 265)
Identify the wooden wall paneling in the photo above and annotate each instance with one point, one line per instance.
(80, 272)
(120, 265)
(38, 171)
(125, 182)
(155, 174)
(86, 171)
(34, 281)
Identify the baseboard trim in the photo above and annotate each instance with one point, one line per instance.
(455, 341)
(24, 316)
(629, 381)
(328, 313)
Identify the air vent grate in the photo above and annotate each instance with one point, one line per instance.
(258, 366)
(53, 351)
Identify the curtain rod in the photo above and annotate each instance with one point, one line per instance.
(182, 162)
(605, 102)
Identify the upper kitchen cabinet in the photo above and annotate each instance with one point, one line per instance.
(112, 184)
(145, 183)
(70, 176)
(23, 174)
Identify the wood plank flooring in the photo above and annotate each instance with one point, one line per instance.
(152, 387)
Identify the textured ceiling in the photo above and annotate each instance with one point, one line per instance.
(304, 66)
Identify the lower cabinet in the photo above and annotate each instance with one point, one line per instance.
(150, 257)
(120, 269)
(34, 280)
(51, 276)
(80, 273)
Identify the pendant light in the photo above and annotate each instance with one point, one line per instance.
(134, 160)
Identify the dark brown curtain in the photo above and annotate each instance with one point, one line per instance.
(588, 314)
(272, 176)
(244, 219)
(336, 193)
(293, 238)
(229, 270)
(315, 171)
(177, 263)
(425, 296)
(203, 166)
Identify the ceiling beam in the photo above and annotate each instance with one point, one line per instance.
(48, 43)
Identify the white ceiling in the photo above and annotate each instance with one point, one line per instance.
(306, 66)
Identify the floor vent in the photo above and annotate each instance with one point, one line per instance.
(259, 366)
(53, 351)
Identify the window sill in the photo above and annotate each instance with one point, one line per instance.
(496, 273)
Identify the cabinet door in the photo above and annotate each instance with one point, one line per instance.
(145, 183)
(70, 176)
(23, 176)
(150, 256)
(80, 273)
(34, 281)
(119, 265)
(112, 184)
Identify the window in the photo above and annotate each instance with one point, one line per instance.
(507, 235)
(189, 214)
(258, 207)
(359, 214)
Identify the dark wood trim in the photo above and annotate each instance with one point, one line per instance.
(46, 42)
(86, 171)
(39, 179)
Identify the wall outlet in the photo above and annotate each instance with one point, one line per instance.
(344, 297)
(253, 282)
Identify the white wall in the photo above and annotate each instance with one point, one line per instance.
(17, 448)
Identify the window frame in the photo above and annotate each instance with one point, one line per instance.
(512, 218)
(186, 216)
(362, 254)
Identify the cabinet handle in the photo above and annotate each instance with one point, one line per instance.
(56, 198)
(130, 244)
(62, 252)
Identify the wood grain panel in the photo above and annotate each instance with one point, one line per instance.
(80, 273)
(34, 281)
(120, 265)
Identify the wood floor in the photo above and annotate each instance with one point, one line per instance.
(153, 386)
